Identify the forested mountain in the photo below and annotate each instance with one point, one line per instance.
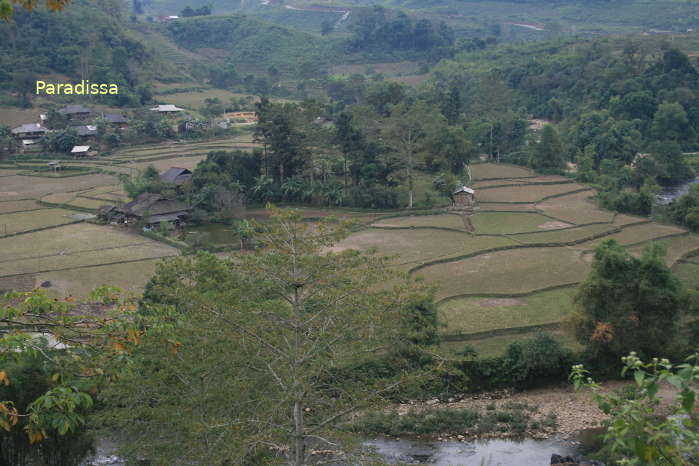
(89, 40)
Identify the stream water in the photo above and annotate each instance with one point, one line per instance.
(669, 193)
(492, 452)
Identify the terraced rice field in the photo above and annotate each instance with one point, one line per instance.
(575, 208)
(525, 193)
(412, 247)
(504, 223)
(19, 206)
(487, 171)
(451, 221)
(20, 222)
(493, 288)
(85, 251)
(479, 314)
(507, 272)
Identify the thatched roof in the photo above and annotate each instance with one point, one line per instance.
(153, 204)
(176, 175)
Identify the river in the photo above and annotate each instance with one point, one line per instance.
(491, 452)
(669, 193)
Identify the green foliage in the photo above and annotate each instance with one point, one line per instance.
(638, 432)
(55, 42)
(512, 418)
(685, 210)
(259, 338)
(628, 303)
(62, 140)
(547, 156)
(526, 364)
(384, 30)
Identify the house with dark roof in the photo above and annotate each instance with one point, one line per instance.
(117, 120)
(153, 209)
(177, 176)
(29, 131)
(86, 131)
(75, 112)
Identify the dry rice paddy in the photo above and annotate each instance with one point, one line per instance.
(575, 208)
(477, 314)
(505, 272)
(485, 171)
(504, 223)
(452, 221)
(525, 193)
(19, 222)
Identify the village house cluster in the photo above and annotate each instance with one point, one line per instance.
(81, 118)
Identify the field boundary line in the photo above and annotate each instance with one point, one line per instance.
(522, 294)
(18, 259)
(19, 233)
(78, 267)
(498, 332)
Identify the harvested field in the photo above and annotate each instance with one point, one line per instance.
(503, 223)
(638, 233)
(525, 193)
(22, 187)
(8, 172)
(575, 208)
(497, 182)
(472, 315)
(675, 247)
(510, 271)
(98, 256)
(68, 239)
(566, 236)
(20, 222)
(19, 206)
(82, 202)
(485, 171)
(131, 277)
(548, 179)
(416, 246)
(443, 221)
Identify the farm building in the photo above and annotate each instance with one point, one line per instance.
(169, 108)
(86, 131)
(464, 197)
(150, 208)
(82, 151)
(177, 176)
(75, 112)
(30, 131)
(117, 120)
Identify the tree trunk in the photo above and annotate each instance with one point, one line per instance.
(490, 147)
(299, 441)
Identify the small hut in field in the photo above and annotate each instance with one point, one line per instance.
(464, 197)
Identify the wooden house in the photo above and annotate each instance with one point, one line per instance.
(177, 176)
(464, 197)
(30, 131)
(75, 112)
(117, 120)
(152, 209)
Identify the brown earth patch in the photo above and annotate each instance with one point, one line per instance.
(554, 225)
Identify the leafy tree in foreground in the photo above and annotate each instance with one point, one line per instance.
(262, 343)
(628, 303)
(53, 358)
(685, 210)
(639, 432)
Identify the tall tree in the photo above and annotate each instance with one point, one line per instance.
(263, 343)
(548, 153)
(405, 132)
(628, 304)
